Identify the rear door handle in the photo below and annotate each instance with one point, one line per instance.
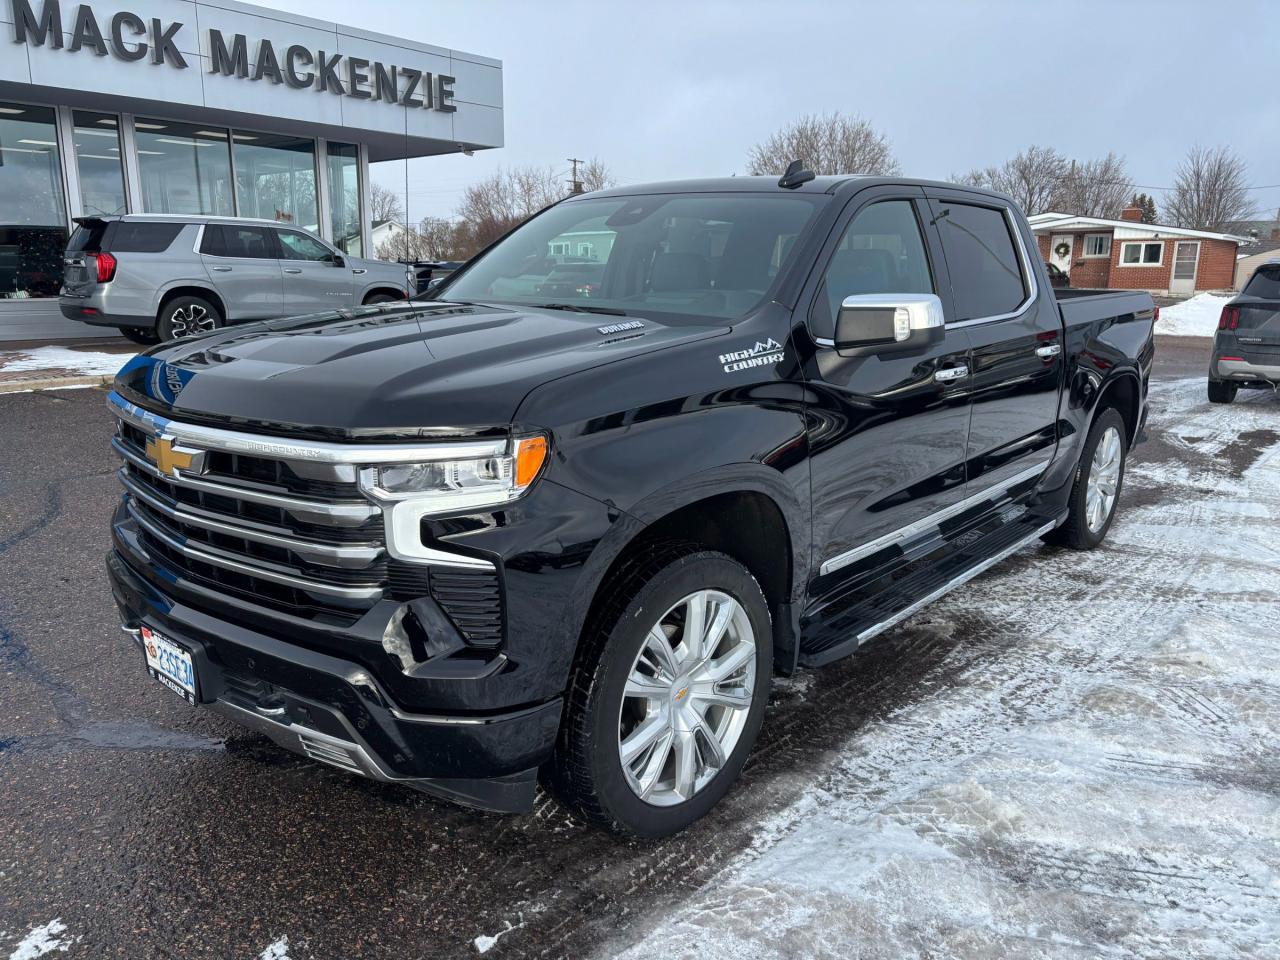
(222, 269)
(947, 374)
(293, 270)
(1049, 350)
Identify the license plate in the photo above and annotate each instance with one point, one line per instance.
(170, 664)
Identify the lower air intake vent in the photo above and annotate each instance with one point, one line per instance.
(473, 601)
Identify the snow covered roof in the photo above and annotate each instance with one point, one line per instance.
(1046, 222)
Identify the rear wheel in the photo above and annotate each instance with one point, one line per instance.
(668, 701)
(380, 298)
(1096, 489)
(141, 335)
(1222, 392)
(187, 317)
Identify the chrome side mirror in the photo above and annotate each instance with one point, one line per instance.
(888, 322)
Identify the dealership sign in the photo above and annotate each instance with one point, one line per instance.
(128, 37)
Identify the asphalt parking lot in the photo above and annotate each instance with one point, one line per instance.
(133, 826)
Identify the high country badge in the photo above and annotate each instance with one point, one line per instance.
(763, 354)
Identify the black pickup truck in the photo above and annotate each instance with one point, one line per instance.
(484, 539)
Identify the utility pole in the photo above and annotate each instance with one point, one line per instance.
(575, 185)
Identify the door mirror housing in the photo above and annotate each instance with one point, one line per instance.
(339, 261)
(888, 323)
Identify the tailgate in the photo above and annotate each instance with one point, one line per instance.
(1259, 323)
(79, 271)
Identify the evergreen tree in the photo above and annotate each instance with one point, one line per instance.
(1147, 205)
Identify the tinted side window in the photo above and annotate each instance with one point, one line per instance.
(254, 243)
(88, 236)
(881, 252)
(132, 237)
(298, 246)
(986, 275)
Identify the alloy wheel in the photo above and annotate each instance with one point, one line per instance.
(687, 697)
(191, 320)
(1104, 480)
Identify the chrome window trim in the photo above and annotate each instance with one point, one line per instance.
(231, 441)
(1029, 280)
(842, 560)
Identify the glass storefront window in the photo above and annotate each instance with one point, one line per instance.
(33, 218)
(344, 197)
(276, 178)
(184, 168)
(97, 141)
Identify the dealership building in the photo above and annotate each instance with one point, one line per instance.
(190, 107)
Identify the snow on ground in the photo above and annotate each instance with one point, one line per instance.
(1197, 317)
(44, 939)
(80, 362)
(1102, 776)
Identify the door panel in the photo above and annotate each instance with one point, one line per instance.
(887, 437)
(313, 280)
(1015, 333)
(241, 262)
(1186, 257)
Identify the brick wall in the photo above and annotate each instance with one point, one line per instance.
(1217, 269)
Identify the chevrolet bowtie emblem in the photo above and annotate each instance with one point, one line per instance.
(168, 458)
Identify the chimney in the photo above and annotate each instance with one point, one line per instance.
(1133, 214)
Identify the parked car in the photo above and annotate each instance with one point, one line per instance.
(1246, 346)
(494, 538)
(164, 277)
(1057, 276)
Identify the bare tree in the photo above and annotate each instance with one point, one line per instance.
(827, 144)
(432, 239)
(496, 204)
(1094, 188)
(1210, 190)
(384, 204)
(1031, 177)
(595, 175)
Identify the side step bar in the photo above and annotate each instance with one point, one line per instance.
(855, 625)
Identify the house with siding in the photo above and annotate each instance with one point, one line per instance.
(1127, 254)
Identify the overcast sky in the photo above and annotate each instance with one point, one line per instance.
(662, 89)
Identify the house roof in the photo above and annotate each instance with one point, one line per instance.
(1046, 222)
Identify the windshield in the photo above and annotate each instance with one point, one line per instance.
(693, 255)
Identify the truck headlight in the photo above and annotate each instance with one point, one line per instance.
(487, 476)
(498, 476)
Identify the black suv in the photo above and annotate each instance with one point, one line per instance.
(466, 542)
(1246, 346)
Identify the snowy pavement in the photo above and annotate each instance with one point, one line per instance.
(1099, 777)
(51, 366)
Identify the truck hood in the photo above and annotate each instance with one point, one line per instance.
(408, 369)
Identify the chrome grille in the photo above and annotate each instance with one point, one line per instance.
(294, 535)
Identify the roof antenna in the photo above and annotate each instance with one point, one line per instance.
(796, 175)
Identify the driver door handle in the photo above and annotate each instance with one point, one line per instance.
(1049, 350)
(293, 270)
(222, 269)
(359, 270)
(947, 374)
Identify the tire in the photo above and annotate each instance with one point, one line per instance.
(141, 335)
(1076, 531)
(380, 298)
(655, 590)
(1222, 392)
(187, 317)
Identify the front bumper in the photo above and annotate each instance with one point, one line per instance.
(1237, 370)
(336, 712)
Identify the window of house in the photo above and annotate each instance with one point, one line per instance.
(982, 258)
(1097, 245)
(1141, 254)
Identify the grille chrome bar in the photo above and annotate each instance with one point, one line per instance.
(218, 558)
(313, 511)
(352, 557)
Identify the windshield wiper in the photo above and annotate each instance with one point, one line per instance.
(575, 308)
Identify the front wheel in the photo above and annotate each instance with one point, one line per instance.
(1096, 489)
(1222, 392)
(670, 695)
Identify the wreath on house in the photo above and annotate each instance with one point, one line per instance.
(1061, 250)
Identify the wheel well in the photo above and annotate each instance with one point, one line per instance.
(204, 293)
(379, 291)
(745, 525)
(1122, 395)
